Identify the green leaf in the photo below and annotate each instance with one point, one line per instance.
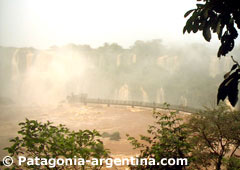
(184, 29)
(188, 12)
(205, 14)
(200, 5)
(229, 88)
(218, 28)
(234, 67)
(207, 33)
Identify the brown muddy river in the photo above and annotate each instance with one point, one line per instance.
(133, 121)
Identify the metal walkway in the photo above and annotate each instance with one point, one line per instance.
(85, 100)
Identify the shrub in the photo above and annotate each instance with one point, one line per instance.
(215, 136)
(233, 164)
(167, 139)
(209, 139)
(44, 140)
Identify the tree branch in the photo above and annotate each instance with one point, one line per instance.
(236, 62)
(234, 150)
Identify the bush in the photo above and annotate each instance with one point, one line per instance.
(233, 164)
(44, 140)
(215, 136)
(167, 139)
(209, 139)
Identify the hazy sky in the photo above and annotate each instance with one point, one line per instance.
(42, 23)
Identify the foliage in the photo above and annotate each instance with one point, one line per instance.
(44, 140)
(220, 17)
(215, 136)
(168, 139)
(229, 87)
(223, 18)
(233, 164)
(206, 139)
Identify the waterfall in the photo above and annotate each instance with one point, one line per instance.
(118, 60)
(144, 95)
(160, 96)
(29, 59)
(123, 93)
(134, 58)
(169, 63)
(183, 101)
(15, 68)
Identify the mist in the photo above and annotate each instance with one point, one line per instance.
(147, 71)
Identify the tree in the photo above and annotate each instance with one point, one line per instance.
(215, 137)
(204, 138)
(223, 18)
(168, 138)
(43, 140)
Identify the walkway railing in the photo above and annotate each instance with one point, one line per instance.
(85, 100)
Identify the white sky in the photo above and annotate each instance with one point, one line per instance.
(42, 23)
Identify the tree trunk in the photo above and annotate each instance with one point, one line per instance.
(219, 163)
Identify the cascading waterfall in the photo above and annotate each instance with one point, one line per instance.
(144, 95)
(160, 96)
(134, 59)
(123, 92)
(118, 60)
(15, 68)
(183, 101)
(29, 59)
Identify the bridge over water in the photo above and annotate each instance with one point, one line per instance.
(83, 99)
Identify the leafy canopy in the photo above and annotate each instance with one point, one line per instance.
(223, 18)
(220, 17)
